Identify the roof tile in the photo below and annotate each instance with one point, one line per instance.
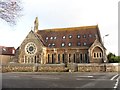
(54, 37)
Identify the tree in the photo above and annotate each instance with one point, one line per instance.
(110, 56)
(10, 10)
(113, 58)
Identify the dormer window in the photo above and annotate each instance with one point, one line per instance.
(78, 36)
(63, 44)
(84, 36)
(13, 51)
(4, 49)
(78, 44)
(49, 45)
(84, 43)
(64, 37)
(46, 38)
(55, 37)
(70, 36)
(51, 38)
(53, 44)
(90, 35)
(69, 44)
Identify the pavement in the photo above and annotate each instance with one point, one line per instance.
(71, 80)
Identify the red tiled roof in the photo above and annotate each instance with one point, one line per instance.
(7, 50)
(54, 37)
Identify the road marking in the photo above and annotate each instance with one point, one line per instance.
(116, 84)
(45, 77)
(114, 77)
(93, 79)
(85, 76)
(13, 76)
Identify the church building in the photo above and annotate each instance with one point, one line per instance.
(62, 45)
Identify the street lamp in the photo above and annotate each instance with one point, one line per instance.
(105, 53)
(104, 37)
(103, 45)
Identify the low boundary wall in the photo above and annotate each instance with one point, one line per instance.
(108, 67)
(16, 67)
(34, 68)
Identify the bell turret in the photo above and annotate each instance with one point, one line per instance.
(36, 24)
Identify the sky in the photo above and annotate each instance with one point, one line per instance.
(63, 14)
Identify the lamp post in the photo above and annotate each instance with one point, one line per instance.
(104, 37)
(105, 53)
(103, 44)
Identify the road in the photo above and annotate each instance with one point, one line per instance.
(61, 80)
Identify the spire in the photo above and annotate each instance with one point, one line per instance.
(36, 24)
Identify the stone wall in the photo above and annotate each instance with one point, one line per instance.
(72, 67)
(33, 68)
(113, 67)
(108, 67)
(51, 68)
(16, 67)
(91, 67)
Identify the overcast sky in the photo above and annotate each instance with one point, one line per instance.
(64, 13)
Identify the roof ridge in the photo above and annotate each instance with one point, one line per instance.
(8, 46)
(70, 28)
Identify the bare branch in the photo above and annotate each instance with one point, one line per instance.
(10, 10)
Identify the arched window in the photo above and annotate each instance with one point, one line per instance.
(94, 55)
(63, 58)
(35, 59)
(52, 58)
(81, 58)
(97, 55)
(58, 58)
(74, 58)
(48, 58)
(100, 54)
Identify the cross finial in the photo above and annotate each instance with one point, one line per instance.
(31, 28)
(96, 36)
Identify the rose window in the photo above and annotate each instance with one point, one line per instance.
(30, 48)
